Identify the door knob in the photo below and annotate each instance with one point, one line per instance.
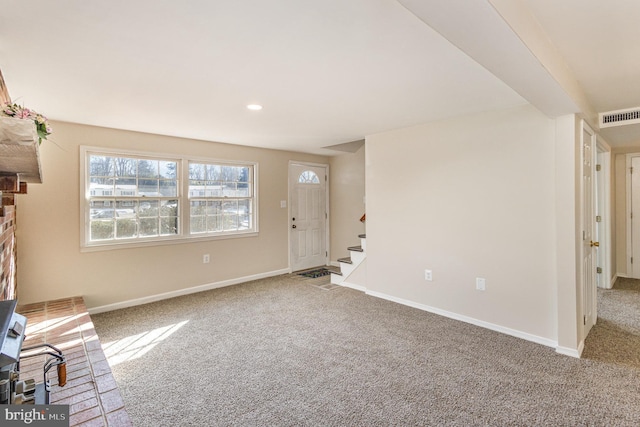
(294, 226)
(596, 244)
(293, 219)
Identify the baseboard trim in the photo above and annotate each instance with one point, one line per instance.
(572, 352)
(186, 291)
(507, 331)
(352, 286)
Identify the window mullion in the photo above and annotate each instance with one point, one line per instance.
(185, 202)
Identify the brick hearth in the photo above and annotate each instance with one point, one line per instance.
(91, 391)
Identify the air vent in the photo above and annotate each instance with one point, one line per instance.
(620, 117)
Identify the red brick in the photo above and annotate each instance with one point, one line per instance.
(111, 400)
(83, 406)
(78, 381)
(96, 356)
(91, 390)
(101, 368)
(105, 383)
(76, 398)
(119, 418)
(96, 422)
(84, 416)
(64, 392)
(77, 368)
(93, 344)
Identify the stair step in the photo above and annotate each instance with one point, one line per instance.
(362, 236)
(346, 260)
(355, 249)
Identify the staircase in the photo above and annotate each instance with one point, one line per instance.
(352, 272)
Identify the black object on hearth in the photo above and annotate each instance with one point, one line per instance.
(13, 390)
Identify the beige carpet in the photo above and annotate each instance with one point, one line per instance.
(278, 352)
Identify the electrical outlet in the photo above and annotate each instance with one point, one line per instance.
(206, 259)
(480, 283)
(428, 275)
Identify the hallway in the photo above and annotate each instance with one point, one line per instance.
(616, 336)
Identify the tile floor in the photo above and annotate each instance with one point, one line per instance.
(91, 391)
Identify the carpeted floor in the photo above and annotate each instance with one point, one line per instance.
(276, 352)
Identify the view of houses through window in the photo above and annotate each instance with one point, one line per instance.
(220, 197)
(141, 198)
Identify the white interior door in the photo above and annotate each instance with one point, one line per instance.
(634, 214)
(308, 222)
(588, 229)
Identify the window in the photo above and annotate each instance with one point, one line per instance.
(220, 197)
(140, 198)
(308, 177)
(131, 197)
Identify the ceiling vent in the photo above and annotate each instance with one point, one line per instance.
(629, 116)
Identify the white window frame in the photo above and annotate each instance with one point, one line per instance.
(184, 227)
(201, 195)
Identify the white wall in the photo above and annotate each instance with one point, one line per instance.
(51, 266)
(568, 243)
(347, 201)
(468, 197)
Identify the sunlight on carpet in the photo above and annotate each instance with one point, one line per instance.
(136, 346)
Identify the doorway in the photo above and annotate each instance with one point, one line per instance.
(633, 215)
(589, 232)
(308, 219)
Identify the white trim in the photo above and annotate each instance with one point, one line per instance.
(186, 291)
(627, 177)
(507, 331)
(327, 209)
(184, 235)
(583, 300)
(353, 286)
(570, 351)
(130, 244)
(603, 185)
(628, 219)
(613, 280)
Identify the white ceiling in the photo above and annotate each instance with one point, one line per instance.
(599, 41)
(327, 72)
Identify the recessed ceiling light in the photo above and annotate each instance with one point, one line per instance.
(254, 107)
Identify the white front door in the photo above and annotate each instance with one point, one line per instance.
(308, 222)
(588, 230)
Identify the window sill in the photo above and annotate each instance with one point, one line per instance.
(96, 247)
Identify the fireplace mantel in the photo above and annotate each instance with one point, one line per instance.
(19, 150)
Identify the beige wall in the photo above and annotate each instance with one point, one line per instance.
(51, 266)
(466, 198)
(347, 201)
